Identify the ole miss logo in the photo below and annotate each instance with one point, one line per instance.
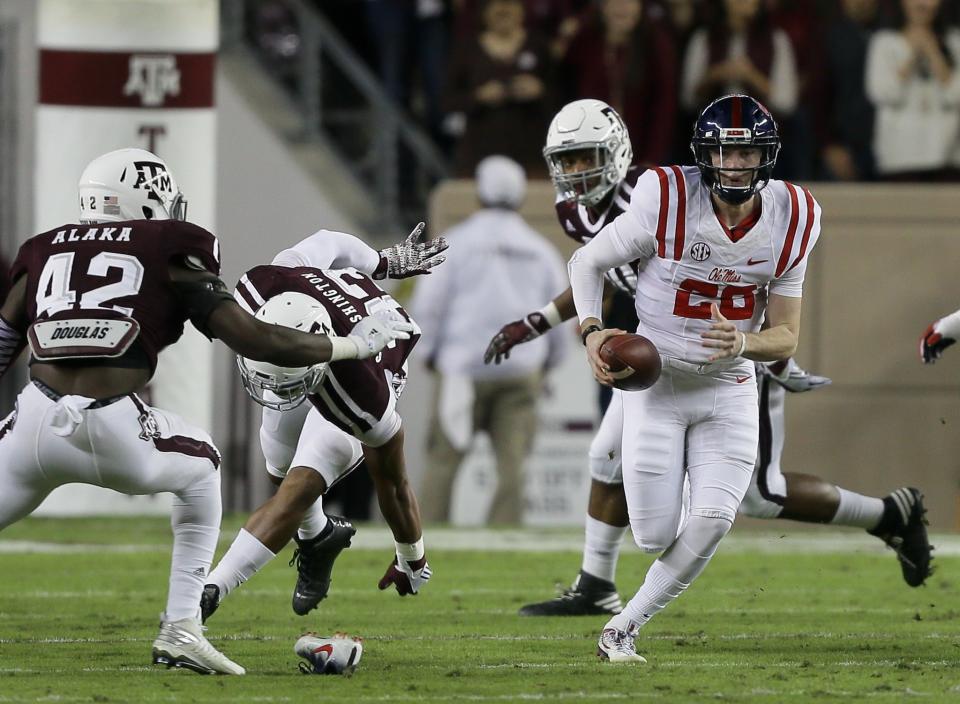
(700, 251)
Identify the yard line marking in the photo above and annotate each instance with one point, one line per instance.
(376, 537)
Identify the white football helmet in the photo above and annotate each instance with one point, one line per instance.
(284, 388)
(584, 126)
(129, 184)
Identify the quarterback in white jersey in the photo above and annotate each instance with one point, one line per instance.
(588, 152)
(721, 248)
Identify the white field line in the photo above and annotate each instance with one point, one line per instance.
(355, 698)
(691, 637)
(376, 537)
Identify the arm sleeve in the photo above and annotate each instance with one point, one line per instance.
(790, 283)
(328, 249)
(783, 75)
(631, 236)
(886, 55)
(557, 339)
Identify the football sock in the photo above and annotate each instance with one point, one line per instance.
(601, 549)
(858, 510)
(314, 521)
(669, 576)
(245, 557)
(658, 590)
(196, 526)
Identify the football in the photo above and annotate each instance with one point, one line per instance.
(634, 361)
(338, 654)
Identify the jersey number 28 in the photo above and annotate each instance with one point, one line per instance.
(735, 302)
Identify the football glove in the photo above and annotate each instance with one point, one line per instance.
(407, 577)
(513, 334)
(411, 257)
(939, 336)
(377, 331)
(794, 379)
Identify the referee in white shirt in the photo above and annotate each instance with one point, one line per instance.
(498, 268)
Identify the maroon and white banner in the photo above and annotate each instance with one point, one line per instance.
(115, 74)
(123, 79)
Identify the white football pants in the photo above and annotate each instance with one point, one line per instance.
(700, 426)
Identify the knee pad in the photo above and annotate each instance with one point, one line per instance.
(695, 545)
(756, 506)
(654, 537)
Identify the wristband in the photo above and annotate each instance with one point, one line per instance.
(743, 345)
(586, 333)
(551, 314)
(342, 348)
(411, 552)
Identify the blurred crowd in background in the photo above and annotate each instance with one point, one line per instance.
(862, 89)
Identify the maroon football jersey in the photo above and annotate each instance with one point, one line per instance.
(355, 395)
(582, 224)
(76, 271)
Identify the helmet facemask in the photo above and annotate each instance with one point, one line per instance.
(285, 388)
(279, 388)
(588, 186)
(720, 160)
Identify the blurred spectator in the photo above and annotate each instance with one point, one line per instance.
(913, 82)
(624, 55)
(846, 132)
(411, 39)
(741, 52)
(497, 91)
(498, 268)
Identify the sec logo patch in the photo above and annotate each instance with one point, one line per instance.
(700, 251)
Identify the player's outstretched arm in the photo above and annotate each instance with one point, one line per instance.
(938, 336)
(530, 327)
(408, 570)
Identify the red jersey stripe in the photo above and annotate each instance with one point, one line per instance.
(806, 228)
(791, 230)
(662, 218)
(681, 224)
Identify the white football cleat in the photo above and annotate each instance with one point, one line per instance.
(617, 646)
(182, 644)
(329, 655)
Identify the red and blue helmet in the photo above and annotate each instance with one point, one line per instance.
(735, 121)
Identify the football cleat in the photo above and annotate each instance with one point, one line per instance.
(182, 644)
(588, 596)
(617, 646)
(336, 655)
(209, 601)
(314, 559)
(904, 529)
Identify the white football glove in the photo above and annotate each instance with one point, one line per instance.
(939, 336)
(793, 378)
(377, 331)
(407, 577)
(411, 257)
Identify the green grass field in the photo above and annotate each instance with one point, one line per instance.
(768, 621)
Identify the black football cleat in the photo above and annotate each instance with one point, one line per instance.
(588, 596)
(904, 528)
(314, 559)
(209, 601)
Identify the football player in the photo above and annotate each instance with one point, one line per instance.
(97, 301)
(351, 416)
